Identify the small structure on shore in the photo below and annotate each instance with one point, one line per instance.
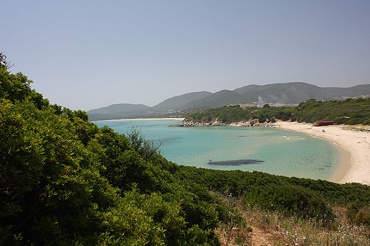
(324, 123)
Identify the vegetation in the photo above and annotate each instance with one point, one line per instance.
(64, 181)
(290, 209)
(235, 113)
(350, 111)
(294, 196)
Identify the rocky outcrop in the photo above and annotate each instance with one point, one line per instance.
(323, 123)
(198, 124)
(250, 123)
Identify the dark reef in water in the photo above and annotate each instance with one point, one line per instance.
(235, 162)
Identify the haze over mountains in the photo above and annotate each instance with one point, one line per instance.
(273, 94)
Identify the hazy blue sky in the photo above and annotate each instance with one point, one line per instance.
(90, 54)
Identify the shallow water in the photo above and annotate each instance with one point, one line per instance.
(268, 150)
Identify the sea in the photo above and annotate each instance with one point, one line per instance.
(264, 149)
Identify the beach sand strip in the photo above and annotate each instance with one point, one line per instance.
(353, 143)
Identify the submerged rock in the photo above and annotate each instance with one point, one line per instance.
(235, 162)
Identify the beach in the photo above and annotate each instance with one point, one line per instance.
(353, 143)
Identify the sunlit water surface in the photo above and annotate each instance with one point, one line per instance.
(270, 150)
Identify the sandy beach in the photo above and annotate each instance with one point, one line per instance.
(354, 146)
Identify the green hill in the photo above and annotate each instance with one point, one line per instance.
(349, 111)
(119, 111)
(218, 99)
(178, 102)
(274, 94)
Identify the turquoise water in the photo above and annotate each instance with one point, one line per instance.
(281, 152)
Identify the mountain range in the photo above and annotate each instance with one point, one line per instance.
(274, 94)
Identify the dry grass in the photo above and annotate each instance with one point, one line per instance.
(273, 228)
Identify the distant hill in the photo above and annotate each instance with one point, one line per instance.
(283, 93)
(119, 111)
(218, 99)
(178, 102)
(355, 91)
(296, 92)
(119, 108)
(279, 93)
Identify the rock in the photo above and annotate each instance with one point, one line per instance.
(250, 123)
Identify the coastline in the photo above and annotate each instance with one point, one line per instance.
(354, 146)
(353, 143)
(169, 118)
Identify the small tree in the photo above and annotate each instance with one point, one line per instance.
(4, 62)
(145, 147)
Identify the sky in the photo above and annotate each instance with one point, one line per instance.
(87, 54)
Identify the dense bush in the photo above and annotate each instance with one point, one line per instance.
(64, 181)
(350, 111)
(230, 114)
(305, 198)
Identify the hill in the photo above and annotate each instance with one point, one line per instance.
(296, 92)
(218, 99)
(283, 93)
(118, 108)
(349, 112)
(169, 108)
(178, 102)
(279, 94)
(118, 111)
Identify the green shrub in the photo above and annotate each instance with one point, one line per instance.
(363, 216)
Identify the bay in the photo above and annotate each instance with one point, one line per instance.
(269, 150)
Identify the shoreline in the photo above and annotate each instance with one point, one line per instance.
(169, 118)
(353, 144)
(352, 141)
